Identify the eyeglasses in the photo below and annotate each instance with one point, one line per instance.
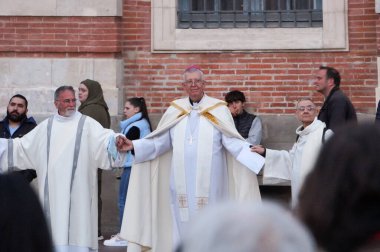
(67, 101)
(193, 82)
(308, 108)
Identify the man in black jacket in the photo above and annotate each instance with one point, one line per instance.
(337, 108)
(17, 124)
(248, 125)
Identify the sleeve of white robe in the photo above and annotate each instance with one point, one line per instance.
(118, 158)
(100, 140)
(26, 152)
(234, 145)
(240, 150)
(29, 152)
(278, 163)
(149, 148)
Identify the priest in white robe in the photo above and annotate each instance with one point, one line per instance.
(187, 163)
(295, 164)
(64, 149)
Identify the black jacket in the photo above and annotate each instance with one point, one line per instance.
(243, 123)
(26, 125)
(337, 110)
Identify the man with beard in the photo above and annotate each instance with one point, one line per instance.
(65, 150)
(337, 109)
(17, 124)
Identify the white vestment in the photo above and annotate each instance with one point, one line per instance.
(205, 131)
(295, 164)
(67, 189)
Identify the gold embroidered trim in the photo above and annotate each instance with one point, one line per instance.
(182, 110)
(182, 201)
(215, 106)
(202, 202)
(210, 117)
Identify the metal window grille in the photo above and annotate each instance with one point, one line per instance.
(212, 14)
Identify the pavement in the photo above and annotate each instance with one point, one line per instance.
(103, 248)
(110, 212)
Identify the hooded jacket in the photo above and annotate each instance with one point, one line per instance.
(95, 106)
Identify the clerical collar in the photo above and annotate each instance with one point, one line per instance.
(193, 102)
(67, 118)
(195, 105)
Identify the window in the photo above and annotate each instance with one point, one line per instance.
(208, 14)
(229, 25)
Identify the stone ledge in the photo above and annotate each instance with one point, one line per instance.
(61, 8)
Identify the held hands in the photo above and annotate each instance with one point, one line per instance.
(258, 149)
(123, 144)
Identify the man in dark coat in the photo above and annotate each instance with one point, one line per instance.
(17, 124)
(248, 125)
(337, 109)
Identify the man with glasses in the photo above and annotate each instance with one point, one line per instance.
(187, 163)
(65, 150)
(295, 164)
(337, 109)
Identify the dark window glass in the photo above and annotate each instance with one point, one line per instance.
(209, 14)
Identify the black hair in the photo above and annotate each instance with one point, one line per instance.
(234, 95)
(332, 73)
(139, 102)
(22, 222)
(340, 198)
(21, 97)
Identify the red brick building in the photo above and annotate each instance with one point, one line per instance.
(272, 67)
(141, 47)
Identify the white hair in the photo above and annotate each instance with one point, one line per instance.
(265, 227)
(193, 70)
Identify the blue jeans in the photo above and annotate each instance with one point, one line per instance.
(123, 189)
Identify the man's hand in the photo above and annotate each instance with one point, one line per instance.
(258, 149)
(123, 144)
(232, 110)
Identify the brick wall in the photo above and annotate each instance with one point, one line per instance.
(40, 53)
(24, 36)
(271, 80)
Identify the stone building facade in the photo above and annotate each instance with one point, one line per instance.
(134, 48)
